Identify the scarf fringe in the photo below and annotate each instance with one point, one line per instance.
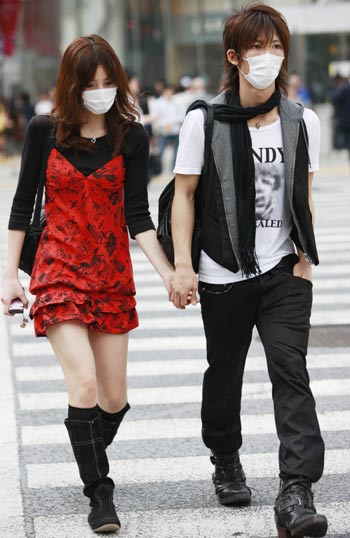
(249, 264)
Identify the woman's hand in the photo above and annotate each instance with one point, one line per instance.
(168, 277)
(12, 289)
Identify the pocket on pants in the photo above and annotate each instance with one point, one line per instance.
(297, 278)
(214, 289)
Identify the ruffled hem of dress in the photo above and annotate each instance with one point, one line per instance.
(97, 302)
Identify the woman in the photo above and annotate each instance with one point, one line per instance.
(254, 268)
(96, 188)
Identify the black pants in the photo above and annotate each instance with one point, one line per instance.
(279, 305)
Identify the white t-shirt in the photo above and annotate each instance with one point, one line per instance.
(273, 216)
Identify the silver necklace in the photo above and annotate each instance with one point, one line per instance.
(93, 140)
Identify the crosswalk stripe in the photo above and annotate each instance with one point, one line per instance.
(148, 470)
(330, 317)
(191, 319)
(177, 428)
(206, 522)
(319, 285)
(181, 367)
(135, 344)
(192, 342)
(29, 401)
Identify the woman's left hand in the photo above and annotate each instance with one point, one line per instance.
(168, 278)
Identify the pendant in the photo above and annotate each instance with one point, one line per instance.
(257, 125)
(93, 140)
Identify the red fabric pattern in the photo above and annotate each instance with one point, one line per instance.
(83, 256)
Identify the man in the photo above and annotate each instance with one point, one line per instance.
(252, 274)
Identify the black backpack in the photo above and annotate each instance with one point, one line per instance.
(166, 198)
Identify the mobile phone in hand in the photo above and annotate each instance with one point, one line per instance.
(16, 307)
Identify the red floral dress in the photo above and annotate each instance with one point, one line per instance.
(83, 267)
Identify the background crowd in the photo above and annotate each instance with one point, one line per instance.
(162, 110)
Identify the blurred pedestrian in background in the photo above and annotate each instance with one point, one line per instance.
(44, 104)
(96, 159)
(257, 244)
(341, 117)
(146, 118)
(297, 91)
(166, 122)
(6, 125)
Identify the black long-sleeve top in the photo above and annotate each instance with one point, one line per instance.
(137, 213)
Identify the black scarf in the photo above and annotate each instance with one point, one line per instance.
(244, 171)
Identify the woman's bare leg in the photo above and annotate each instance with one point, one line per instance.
(71, 345)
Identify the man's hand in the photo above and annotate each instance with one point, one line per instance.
(303, 269)
(184, 287)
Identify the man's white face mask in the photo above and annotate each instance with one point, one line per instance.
(263, 69)
(99, 101)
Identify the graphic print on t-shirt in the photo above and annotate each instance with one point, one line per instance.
(268, 182)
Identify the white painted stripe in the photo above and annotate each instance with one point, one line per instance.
(331, 299)
(191, 319)
(40, 348)
(11, 508)
(333, 236)
(218, 522)
(168, 308)
(340, 269)
(179, 394)
(181, 367)
(330, 317)
(147, 470)
(180, 319)
(335, 283)
(177, 428)
(319, 286)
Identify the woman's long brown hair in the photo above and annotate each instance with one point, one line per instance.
(243, 28)
(77, 69)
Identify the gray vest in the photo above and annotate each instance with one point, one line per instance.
(291, 115)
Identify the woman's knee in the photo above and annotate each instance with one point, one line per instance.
(83, 392)
(112, 403)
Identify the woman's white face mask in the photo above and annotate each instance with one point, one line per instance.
(263, 69)
(99, 101)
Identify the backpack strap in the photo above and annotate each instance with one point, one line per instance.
(208, 112)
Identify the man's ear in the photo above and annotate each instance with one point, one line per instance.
(232, 56)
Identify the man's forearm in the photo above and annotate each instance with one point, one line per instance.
(182, 223)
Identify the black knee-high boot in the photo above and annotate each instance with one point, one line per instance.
(90, 454)
(110, 424)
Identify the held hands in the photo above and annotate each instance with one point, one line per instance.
(12, 289)
(184, 287)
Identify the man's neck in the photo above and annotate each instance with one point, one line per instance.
(250, 96)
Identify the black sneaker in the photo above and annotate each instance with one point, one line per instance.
(103, 517)
(295, 513)
(229, 479)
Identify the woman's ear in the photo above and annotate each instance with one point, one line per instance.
(232, 56)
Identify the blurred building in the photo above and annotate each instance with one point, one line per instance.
(161, 38)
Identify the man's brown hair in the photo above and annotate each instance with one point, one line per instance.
(241, 31)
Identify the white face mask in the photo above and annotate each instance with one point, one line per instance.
(99, 101)
(263, 69)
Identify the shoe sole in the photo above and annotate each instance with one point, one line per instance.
(108, 527)
(315, 527)
(235, 500)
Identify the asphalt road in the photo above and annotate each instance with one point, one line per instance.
(159, 463)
